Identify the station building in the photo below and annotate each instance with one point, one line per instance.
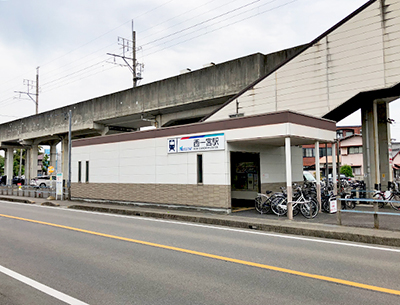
(253, 141)
(211, 165)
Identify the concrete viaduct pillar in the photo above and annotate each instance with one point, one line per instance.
(64, 158)
(376, 144)
(33, 160)
(53, 154)
(28, 161)
(9, 165)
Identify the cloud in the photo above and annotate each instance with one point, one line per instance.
(69, 40)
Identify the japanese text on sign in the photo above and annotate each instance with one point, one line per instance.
(197, 143)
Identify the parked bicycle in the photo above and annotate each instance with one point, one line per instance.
(309, 207)
(392, 196)
(262, 202)
(326, 197)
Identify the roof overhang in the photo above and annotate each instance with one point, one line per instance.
(363, 98)
(266, 129)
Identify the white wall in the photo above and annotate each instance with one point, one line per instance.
(272, 161)
(147, 161)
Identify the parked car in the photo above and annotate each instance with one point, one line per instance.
(41, 181)
(18, 180)
(308, 177)
(342, 177)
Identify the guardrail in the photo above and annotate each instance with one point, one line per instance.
(31, 191)
(375, 213)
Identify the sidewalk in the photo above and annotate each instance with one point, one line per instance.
(323, 226)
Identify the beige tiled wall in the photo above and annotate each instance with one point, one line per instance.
(275, 187)
(214, 196)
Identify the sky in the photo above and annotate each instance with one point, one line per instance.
(69, 42)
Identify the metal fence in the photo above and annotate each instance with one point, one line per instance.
(30, 191)
(373, 202)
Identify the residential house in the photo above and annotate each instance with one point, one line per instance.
(350, 143)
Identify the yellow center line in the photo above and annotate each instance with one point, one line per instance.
(223, 258)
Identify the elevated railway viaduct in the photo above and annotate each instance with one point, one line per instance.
(182, 99)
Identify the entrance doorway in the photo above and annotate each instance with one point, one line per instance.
(245, 178)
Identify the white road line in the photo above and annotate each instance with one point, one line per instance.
(43, 288)
(277, 235)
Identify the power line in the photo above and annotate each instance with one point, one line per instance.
(186, 20)
(203, 22)
(214, 18)
(45, 83)
(94, 68)
(77, 79)
(214, 30)
(85, 44)
(55, 80)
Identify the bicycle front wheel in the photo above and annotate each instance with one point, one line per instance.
(350, 204)
(279, 206)
(262, 205)
(395, 202)
(258, 204)
(379, 197)
(309, 209)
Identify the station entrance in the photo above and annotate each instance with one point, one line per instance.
(245, 178)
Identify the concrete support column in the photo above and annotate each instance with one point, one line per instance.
(64, 157)
(383, 129)
(288, 158)
(377, 175)
(8, 165)
(376, 143)
(318, 174)
(367, 120)
(28, 173)
(34, 160)
(53, 154)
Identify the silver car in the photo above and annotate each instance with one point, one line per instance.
(41, 181)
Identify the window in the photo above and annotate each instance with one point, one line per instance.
(355, 150)
(199, 168)
(79, 171)
(308, 152)
(322, 151)
(87, 171)
(357, 171)
(339, 134)
(349, 133)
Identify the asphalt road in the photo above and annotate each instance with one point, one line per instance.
(86, 258)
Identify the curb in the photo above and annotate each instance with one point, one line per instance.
(322, 232)
(17, 200)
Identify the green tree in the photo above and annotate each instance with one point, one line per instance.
(346, 170)
(45, 163)
(16, 162)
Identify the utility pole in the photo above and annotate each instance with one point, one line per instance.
(134, 57)
(30, 85)
(69, 154)
(37, 90)
(130, 46)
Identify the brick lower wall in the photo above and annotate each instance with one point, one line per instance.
(212, 196)
(275, 187)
